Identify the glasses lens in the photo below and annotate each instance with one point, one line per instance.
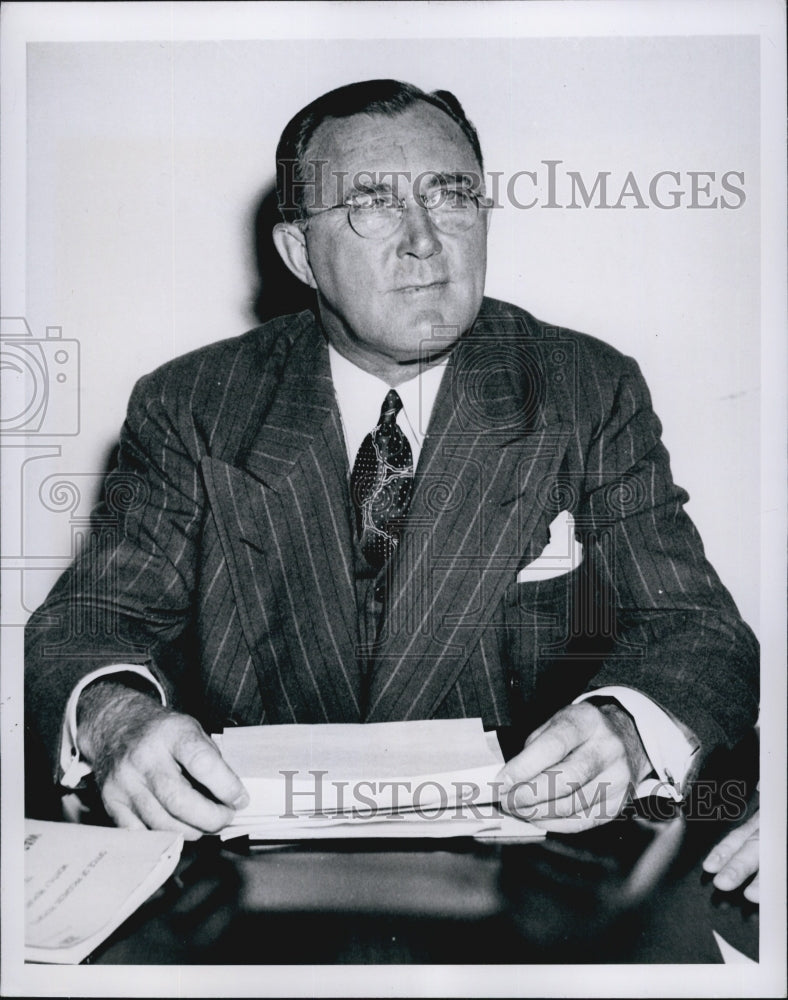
(453, 210)
(374, 216)
(377, 216)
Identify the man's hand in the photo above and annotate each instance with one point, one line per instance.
(735, 858)
(577, 770)
(155, 768)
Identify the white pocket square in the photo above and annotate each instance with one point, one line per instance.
(561, 555)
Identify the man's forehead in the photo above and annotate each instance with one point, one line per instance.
(421, 138)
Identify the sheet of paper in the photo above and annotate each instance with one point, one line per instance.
(731, 955)
(322, 792)
(379, 767)
(81, 882)
(353, 829)
(352, 751)
(455, 823)
(433, 778)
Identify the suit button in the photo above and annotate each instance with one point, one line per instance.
(380, 592)
(514, 682)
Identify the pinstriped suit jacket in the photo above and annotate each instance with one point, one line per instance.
(221, 555)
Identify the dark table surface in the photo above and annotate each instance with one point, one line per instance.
(632, 891)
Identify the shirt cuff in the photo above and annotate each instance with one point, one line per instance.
(669, 746)
(72, 767)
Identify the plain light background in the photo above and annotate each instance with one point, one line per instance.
(147, 160)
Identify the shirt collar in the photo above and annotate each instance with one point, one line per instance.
(360, 395)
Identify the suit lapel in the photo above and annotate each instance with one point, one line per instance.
(285, 526)
(494, 445)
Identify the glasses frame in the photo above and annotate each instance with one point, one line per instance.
(479, 200)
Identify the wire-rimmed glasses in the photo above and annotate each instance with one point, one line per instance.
(377, 214)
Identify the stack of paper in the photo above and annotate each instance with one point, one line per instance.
(432, 778)
(81, 882)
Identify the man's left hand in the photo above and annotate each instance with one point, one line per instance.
(735, 859)
(577, 770)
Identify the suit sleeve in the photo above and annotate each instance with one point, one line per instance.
(128, 595)
(677, 635)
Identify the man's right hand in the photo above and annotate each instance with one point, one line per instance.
(154, 767)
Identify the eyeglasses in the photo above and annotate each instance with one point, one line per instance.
(375, 215)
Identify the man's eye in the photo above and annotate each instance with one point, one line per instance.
(449, 198)
(369, 202)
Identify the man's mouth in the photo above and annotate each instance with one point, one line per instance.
(417, 288)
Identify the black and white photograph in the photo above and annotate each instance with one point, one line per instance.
(393, 437)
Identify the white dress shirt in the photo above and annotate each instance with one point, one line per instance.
(360, 396)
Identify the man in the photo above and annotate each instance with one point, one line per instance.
(348, 516)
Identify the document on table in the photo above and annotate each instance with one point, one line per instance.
(82, 882)
(427, 778)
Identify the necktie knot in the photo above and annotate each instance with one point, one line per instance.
(392, 404)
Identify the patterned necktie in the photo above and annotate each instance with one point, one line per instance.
(382, 483)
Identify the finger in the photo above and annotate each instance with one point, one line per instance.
(140, 816)
(156, 817)
(594, 762)
(186, 803)
(132, 805)
(201, 759)
(731, 843)
(121, 815)
(569, 729)
(739, 867)
(553, 786)
(602, 798)
(753, 890)
(538, 732)
(582, 767)
(550, 748)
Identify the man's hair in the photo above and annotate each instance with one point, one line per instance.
(371, 97)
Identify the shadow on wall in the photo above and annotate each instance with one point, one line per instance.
(278, 292)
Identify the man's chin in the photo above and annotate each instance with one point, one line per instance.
(437, 329)
(436, 341)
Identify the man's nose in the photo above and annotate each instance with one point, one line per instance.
(418, 236)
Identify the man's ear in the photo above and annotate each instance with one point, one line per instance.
(290, 243)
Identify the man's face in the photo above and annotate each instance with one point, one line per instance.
(381, 298)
